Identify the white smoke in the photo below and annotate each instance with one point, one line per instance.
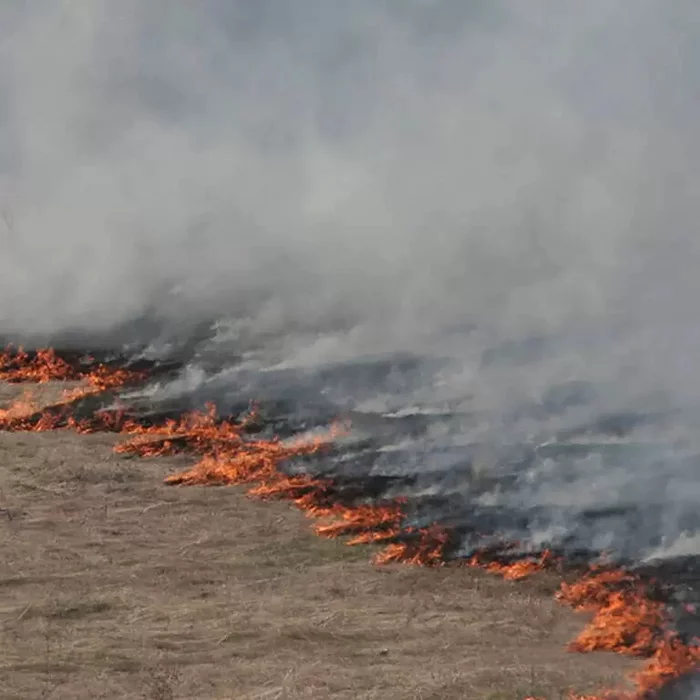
(403, 166)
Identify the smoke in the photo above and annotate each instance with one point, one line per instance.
(402, 165)
(510, 188)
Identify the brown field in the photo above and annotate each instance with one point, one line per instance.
(113, 585)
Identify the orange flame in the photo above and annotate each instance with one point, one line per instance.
(195, 431)
(625, 620)
(25, 405)
(366, 523)
(18, 366)
(305, 491)
(45, 366)
(515, 571)
(671, 660)
(426, 547)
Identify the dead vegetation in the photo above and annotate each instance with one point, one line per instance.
(113, 585)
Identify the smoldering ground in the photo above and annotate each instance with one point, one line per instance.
(503, 197)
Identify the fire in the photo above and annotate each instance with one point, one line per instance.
(44, 366)
(595, 587)
(24, 416)
(303, 490)
(627, 624)
(215, 471)
(230, 458)
(195, 431)
(515, 571)
(366, 523)
(241, 461)
(672, 659)
(258, 461)
(23, 406)
(423, 547)
(625, 618)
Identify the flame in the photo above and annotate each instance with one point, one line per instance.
(515, 571)
(24, 416)
(243, 461)
(23, 406)
(625, 620)
(195, 431)
(672, 659)
(627, 624)
(44, 366)
(306, 492)
(422, 547)
(365, 523)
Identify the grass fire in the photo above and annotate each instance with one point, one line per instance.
(287, 288)
(629, 613)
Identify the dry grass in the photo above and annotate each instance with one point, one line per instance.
(115, 586)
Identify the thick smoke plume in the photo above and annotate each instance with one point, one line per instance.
(411, 164)
(509, 190)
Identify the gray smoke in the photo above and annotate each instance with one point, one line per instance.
(416, 164)
(511, 188)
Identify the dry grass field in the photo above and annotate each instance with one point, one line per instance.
(113, 585)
